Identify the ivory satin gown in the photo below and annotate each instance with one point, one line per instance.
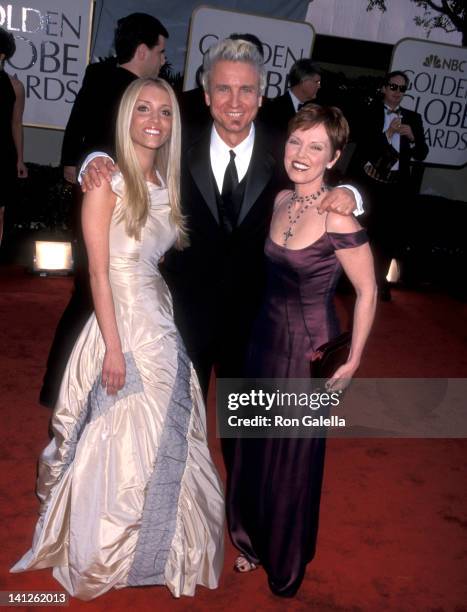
(129, 494)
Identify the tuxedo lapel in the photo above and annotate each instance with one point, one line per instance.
(199, 164)
(259, 174)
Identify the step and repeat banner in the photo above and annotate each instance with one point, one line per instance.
(438, 91)
(284, 42)
(52, 51)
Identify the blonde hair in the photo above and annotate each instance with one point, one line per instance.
(167, 162)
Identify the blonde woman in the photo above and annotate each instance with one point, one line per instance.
(129, 492)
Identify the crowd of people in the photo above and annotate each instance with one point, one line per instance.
(214, 246)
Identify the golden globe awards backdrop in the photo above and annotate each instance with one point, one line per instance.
(438, 91)
(284, 42)
(52, 50)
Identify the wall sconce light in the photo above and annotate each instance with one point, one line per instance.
(52, 258)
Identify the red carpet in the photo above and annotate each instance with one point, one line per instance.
(393, 521)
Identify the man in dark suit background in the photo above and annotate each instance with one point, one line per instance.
(139, 43)
(389, 138)
(304, 81)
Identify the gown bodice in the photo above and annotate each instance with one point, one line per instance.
(298, 313)
(141, 257)
(141, 297)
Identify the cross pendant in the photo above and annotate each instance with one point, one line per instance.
(287, 234)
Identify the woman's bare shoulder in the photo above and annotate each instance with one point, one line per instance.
(341, 224)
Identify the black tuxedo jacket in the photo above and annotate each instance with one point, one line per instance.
(218, 280)
(278, 112)
(91, 126)
(372, 139)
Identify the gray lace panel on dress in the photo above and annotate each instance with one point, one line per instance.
(163, 489)
(99, 403)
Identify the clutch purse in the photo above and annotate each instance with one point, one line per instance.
(330, 356)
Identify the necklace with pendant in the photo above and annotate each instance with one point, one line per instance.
(305, 201)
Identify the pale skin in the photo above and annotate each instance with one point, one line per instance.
(150, 127)
(145, 63)
(308, 154)
(233, 98)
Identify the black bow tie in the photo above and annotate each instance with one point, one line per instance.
(392, 111)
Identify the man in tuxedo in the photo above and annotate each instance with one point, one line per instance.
(304, 81)
(230, 176)
(390, 138)
(140, 48)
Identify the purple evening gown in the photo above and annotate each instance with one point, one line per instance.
(274, 485)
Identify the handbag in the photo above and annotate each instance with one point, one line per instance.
(330, 356)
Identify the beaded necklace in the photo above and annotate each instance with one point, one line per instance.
(306, 201)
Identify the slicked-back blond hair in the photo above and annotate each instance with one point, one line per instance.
(167, 163)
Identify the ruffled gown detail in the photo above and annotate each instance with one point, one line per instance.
(129, 493)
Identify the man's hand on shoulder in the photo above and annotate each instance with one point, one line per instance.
(99, 168)
(339, 200)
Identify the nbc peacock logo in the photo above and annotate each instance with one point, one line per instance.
(442, 63)
(433, 61)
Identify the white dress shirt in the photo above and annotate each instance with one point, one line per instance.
(219, 153)
(395, 141)
(295, 101)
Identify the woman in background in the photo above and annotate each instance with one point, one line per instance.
(11, 128)
(130, 496)
(274, 492)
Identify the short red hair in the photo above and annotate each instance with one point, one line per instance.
(331, 117)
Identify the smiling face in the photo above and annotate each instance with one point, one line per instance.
(234, 99)
(308, 153)
(393, 98)
(151, 120)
